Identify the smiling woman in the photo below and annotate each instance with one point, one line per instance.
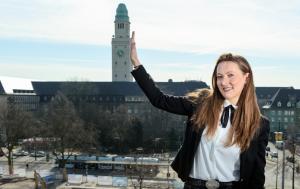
(226, 136)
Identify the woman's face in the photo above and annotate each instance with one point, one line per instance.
(230, 80)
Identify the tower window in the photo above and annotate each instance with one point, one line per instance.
(116, 75)
(116, 62)
(121, 26)
(125, 75)
(125, 63)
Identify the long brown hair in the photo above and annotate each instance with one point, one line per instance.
(246, 117)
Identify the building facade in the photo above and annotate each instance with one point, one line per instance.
(283, 111)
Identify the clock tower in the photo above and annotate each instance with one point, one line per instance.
(121, 64)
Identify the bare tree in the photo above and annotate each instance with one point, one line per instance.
(65, 128)
(13, 124)
(291, 145)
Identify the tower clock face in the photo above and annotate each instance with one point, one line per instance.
(120, 52)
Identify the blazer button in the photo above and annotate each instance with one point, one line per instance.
(242, 180)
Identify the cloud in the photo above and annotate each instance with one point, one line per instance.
(193, 26)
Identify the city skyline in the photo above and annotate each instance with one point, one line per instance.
(71, 40)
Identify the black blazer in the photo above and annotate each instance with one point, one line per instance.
(252, 161)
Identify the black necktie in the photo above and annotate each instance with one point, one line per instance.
(225, 115)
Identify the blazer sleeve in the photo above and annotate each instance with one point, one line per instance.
(258, 176)
(174, 104)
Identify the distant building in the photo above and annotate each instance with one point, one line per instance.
(111, 95)
(283, 109)
(20, 92)
(120, 44)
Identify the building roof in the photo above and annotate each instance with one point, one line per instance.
(11, 84)
(111, 88)
(284, 96)
(2, 91)
(267, 92)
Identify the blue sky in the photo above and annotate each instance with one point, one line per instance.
(70, 39)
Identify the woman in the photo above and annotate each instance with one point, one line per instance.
(226, 136)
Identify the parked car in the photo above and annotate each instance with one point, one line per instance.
(1, 153)
(38, 154)
(20, 153)
(279, 145)
(274, 154)
(290, 159)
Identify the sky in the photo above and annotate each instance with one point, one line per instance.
(64, 40)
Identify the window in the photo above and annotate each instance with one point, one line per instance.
(286, 112)
(121, 26)
(278, 104)
(116, 75)
(298, 104)
(289, 104)
(286, 119)
(292, 113)
(279, 112)
(125, 75)
(272, 112)
(116, 62)
(292, 119)
(125, 63)
(272, 119)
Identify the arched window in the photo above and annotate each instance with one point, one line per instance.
(289, 104)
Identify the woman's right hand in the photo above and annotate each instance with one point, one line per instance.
(133, 52)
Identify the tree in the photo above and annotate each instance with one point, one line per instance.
(13, 124)
(134, 135)
(65, 129)
(172, 140)
(291, 145)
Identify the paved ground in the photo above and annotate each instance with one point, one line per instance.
(41, 164)
(22, 183)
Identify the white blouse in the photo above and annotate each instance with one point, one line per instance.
(214, 161)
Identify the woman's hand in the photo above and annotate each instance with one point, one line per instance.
(133, 53)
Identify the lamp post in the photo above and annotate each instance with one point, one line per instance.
(283, 164)
(168, 173)
(276, 136)
(140, 179)
(294, 151)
